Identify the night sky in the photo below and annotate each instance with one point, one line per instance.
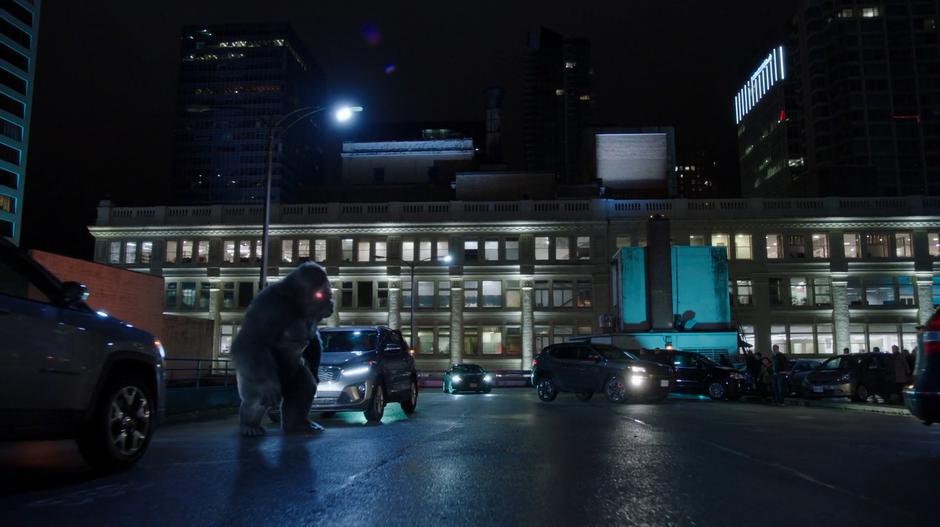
(102, 123)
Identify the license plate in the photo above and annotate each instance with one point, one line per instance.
(817, 389)
(664, 383)
(473, 385)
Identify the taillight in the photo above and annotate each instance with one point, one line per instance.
(535, 362)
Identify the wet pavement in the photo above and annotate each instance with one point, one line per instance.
(505, 459)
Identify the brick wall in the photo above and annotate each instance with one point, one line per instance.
(133, 297)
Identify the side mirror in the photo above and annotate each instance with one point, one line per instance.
(73, 293)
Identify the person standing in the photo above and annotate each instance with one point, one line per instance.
(781, 367)
(845, 351)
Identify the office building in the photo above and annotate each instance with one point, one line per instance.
(235, 81)
(811, 275)
(557, 104)
(19, 26)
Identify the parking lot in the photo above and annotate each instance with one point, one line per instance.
(506, 459)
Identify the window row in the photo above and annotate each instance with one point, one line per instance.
(817, 339)
(195, 295)
(436, 294)
(814, 245)
(490, 340)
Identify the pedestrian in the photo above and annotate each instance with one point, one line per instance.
(901, 370)
(876, 349)
(764, 377)
(910, 358)
(845, 351)
(781, 368)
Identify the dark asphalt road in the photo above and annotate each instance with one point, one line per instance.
(506, 459)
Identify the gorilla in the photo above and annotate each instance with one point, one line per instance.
(269, 350)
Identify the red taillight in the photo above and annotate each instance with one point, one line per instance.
(535, 362)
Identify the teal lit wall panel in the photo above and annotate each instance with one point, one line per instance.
(633, 286)
(700, 284)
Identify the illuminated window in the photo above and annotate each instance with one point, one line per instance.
(903, 247)
(623, 241)
(491, 250)
(114, 253)
(202, 251)
(876, 246)
(820, 245)
(871, 12)
(381, 251)
(798, 292)
(542, 294)
(319, 250)
(850, 244)
(744, 292)
(512, 249)
(408, 250)
(347, 247)
(569, 65)
(146, 250)
(303, 250)
(228, 251)
(363, 251)
(171, 247)
(443, 293)
(6, 204)
(562, 294)
(186, 255)
(244, 251)
(722, 240)
(541, 247)
(471, 249)
(774, 249)
(491, 340)
(424, 250)
(442, 250)
(742, 247)
(583, 247)
(696, 240)
(513, 294)
(847, 12)
(822, 292)
(562, 249)
(492, 293)
(584, 294)
(933, 243)
(471, 293)
(130, 252)
(425, 294)
(259, 251)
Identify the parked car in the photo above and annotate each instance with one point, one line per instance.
(696, 373)
(857, 376)
(922, 397)
(798, 371)
(585, 368)
(67, 371)
(467, 377)
(363, 369)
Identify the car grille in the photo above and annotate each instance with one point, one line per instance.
(328, 373)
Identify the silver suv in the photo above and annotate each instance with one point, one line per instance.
(67, 371)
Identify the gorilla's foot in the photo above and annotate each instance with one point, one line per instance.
(252, 430)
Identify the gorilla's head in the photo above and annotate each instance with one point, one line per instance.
(310, 287)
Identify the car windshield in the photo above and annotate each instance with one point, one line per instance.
(708, 361)
(346, 341)
(467, 368)
(614, 353)
(839, 363)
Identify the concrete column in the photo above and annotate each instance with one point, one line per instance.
(760, 289)
(333, 320)
(840, 315)
(924, 298)
(215, 314)
(528, 325)
(456, 321)
(394, 305)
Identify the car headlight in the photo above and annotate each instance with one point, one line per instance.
(487, 378)
(844, 378)
(160, 350)
(355, 371)
(455, 378)
(637, 369)
(736, 376)
(636, 380)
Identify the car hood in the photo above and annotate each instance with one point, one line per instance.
(340, 358)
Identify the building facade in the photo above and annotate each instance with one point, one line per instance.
(19, 27)
(557, 103)
(236, 81)
(812, 275)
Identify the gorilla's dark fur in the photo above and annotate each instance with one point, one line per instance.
(268, 351)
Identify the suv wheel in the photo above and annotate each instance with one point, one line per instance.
(376, 408)
(717, 390)
(121, 426)
(584, 396)
(615, 390)
(861, 393)
(546, 390)
(409, 405)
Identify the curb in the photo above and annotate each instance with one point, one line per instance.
(851, 407)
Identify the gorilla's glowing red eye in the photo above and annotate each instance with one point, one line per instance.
(318, 295)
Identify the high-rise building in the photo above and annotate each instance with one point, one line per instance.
(19, 25)
(235, 81)
(767, 116)
(558, 101)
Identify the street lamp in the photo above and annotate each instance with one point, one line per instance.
(342, 114)
(411, 270)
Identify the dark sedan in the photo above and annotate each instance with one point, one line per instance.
(800, 369)
(857, 376)
(696, 373)
(467, 377)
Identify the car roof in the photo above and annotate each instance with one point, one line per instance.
(356, 328)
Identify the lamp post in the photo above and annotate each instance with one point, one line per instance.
(412, 264)
(343, 114)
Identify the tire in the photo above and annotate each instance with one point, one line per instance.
(327, 415)
(615, 390)
(408, 405)
(861, 393)
(376, 408)
(584, 396)
(716, 390)
(546, 390)
(121, 426)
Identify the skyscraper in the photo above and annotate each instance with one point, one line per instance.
(557, 99)
(19, 24)
(235, 81)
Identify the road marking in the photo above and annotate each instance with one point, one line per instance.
(810, 479)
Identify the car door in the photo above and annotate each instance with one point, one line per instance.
(690, 372)
(38, 370)
(395, 362)
(591, 368)
(565, 367)
(875, 374)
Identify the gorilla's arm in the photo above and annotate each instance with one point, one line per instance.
(312, 356)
